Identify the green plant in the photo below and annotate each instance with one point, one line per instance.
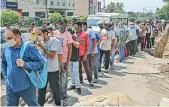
(83, 18)
(55, 17)
(9, 17)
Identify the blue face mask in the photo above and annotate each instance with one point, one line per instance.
(61, 28)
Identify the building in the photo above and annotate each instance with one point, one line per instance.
(42, 8)
(86, 7)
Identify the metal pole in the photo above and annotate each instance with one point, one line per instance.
(47, 9)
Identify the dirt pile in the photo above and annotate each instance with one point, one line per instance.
(160, 47)
(109, 99)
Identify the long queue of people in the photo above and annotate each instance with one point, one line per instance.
(67, 50)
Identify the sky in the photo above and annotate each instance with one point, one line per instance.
(138, 5)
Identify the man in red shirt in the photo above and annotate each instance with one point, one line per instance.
(84, 45)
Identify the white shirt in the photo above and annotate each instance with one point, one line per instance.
(106, 44)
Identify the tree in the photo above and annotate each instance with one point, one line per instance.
(115, 7)
(164, 12)
(55, 17)
(83, 18)
(9, 17)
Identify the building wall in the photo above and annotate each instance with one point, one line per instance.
(82, 7)
(34, 6)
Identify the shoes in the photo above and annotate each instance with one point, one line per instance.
(111, 67)
(81, 82)
(95, 80)
(78, 90)
(100, 74)
(72, 87)
(65, 102)
(91, 84)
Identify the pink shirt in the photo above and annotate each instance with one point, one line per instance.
(65, 38)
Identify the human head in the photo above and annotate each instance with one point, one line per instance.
(84, 26)
(32, 25)
(42, 33)
(74, 20)
(69, 29)
(79, 27)
(101, 24)
(13, 37)
(121, 24)
(108, 26)
(132, 24)
(50, 30)
(45, 24)
(62, 25)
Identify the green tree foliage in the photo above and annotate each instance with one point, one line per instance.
(163, 13)
(9, 17)
(83, 18)
(55, 17)
(115, 7)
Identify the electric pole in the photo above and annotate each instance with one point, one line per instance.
(47, 9)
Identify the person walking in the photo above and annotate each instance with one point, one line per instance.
(17, 81)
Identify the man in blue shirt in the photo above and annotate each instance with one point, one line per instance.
(17, 81)
(93, 51)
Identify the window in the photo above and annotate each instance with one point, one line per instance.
(69, 4)
(51, 2)
(40, 14)
(25, 13)
(37, 1)
(63, 4)
(73, 5)
(44, 1)
(58, 3)
(69, 13)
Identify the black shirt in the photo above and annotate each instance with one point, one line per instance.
(75, 51)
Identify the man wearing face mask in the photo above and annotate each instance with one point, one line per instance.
(17, 81)
(51, 50)
(132, 34)
(50, 31)
(66, 41)
(93, 51)
(84, 45)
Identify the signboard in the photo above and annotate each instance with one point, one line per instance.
(12, 5)
(2, 4)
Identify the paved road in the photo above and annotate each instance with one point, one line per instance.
(137, 77)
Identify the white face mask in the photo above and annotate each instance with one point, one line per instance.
(40, 38)
(11, 42)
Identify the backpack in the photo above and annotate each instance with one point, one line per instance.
(37, 78)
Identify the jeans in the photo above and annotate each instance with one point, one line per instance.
(148, 41)
(92, 60)
(121, 52)
(87, 70)
(28, 95)
(98, 60)
(107, 57)
(152, 41)
(63, 83)
(74, 71)
(132, 47)
(53, 79)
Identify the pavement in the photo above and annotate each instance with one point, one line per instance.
(142, 77)
(138, 77)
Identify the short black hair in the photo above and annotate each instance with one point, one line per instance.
(74, 19)
(43, 29)
(33, 24)
(69, 29)
(79, 24)
(62, 21)
(49, 28)
(84, 23)
(16, 31)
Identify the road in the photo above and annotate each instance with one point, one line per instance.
(143, 78)
(138, 77)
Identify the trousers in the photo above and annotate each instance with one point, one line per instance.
(93, 64)
(87, 70)
(74, 71)
(28, 95)
(53, 79)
